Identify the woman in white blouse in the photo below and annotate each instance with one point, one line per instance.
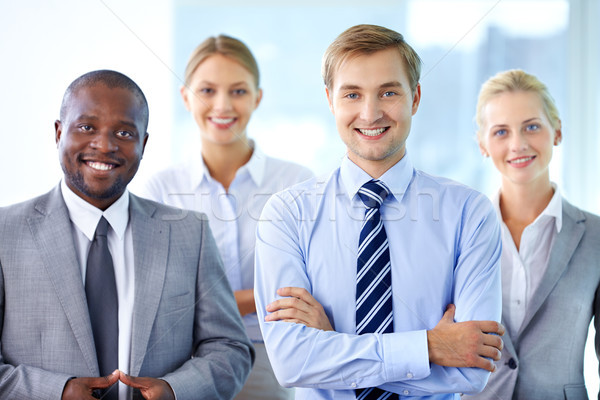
(551, 249)
(231, 180)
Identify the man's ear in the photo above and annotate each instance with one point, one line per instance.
(184, 95)
(146, 136)
(416, 99)
(57, 131)
(329, 99)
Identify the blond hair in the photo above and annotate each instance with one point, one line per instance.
(368, 39)
(515, 80)
(227, 46)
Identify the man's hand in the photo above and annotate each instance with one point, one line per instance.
(245, 301)
(465, 344)
(83, 388)
(298, 306)
(151, 388)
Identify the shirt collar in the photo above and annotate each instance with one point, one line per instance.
(553, 209)
(86, 217)
(397, 178)
(255, 167)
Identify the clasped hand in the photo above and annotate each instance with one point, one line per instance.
(150, 388)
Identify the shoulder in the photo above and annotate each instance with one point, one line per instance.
(41, 204)
(287, 170)
(169, 180)
(453, 194)
(300, 202)
(160, 213)
(170, 175)
(590, 221)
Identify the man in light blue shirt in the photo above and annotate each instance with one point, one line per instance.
(444, 249)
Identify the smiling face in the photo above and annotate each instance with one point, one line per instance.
(518, 136)
(222, 95)
(373, 107)
(101, 140)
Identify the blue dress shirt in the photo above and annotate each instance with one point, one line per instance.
(445, 248)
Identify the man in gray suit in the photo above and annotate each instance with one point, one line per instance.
(179, 331)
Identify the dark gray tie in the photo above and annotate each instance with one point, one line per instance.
(103, 305)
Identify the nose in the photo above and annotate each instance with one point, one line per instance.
(371, 110)
(518, 142)
(104, 142)
(222, 102)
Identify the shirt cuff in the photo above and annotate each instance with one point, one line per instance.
(406, 356)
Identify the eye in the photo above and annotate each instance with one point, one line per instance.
(500, 132)
(239, 92)
(86, 128)
(532, 127)
(206, 90)
(352, 96)
(124, 134)
(389, 94)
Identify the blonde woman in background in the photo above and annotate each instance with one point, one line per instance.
(231, 179)
(551, 249)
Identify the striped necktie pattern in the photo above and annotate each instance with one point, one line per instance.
(373, 276)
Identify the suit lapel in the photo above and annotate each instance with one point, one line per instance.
(562, 250)
(150, 250)
(51, 230)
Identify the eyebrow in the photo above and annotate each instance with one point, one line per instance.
(129, 123)
(205, 82)
(524, 122)
(85, 116)
(95, 118)
(382, 86)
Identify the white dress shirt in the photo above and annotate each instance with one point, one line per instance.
(84, 220)
(523, 269)
(232, 214)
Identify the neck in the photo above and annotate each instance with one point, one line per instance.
(376, 168)
(223, 160)
(523, 203)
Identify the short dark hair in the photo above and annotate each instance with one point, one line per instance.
(110, 79)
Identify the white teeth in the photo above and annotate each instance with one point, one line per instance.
(222, 121)
(521, 160)
(100, 166)
(372, 132)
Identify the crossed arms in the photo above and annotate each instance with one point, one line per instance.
(422, 357)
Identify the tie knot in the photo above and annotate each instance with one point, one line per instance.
(373, 193)
(102, 228)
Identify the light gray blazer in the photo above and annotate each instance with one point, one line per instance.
(186, 326)
(545, 360)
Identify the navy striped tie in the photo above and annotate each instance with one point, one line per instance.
(373, 276)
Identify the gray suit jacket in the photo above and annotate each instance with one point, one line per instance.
(186, 326)
(545, 360)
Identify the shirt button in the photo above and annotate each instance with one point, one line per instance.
(406, 392)
(512, 364)
(409, 375)
(353, 384)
